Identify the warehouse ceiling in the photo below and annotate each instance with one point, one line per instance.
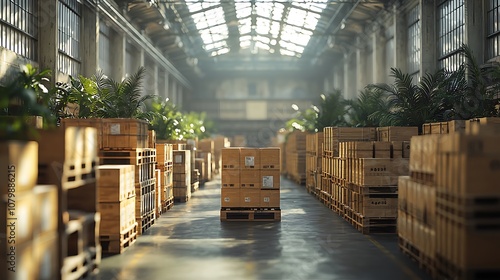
(230, 36)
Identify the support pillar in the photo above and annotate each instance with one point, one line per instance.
(48, 43)
(90, 40)
(428, 37)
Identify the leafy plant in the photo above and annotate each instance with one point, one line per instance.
(25, 96)
(332, 110)
(410, 104)
(124, 99)
(360, 112)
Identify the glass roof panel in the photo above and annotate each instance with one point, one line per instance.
(293, 22)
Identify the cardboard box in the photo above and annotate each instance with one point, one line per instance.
(250, 179)
(18, 165)
(270, 179)
(115, 182)
(270, 158)
(249, 197)
(230, 178)
(230, 158)
(46, 214)
(230, 197)
(270, 198)
(249, 158)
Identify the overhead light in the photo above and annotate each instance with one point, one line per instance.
(342, 24)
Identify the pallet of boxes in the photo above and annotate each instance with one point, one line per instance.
(448, 206)
(361, 170)
(30, 220)
(182, 175)
(122, 143)
(250, 184)
(68, 159)
(165, 176)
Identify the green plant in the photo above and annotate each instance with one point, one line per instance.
(169, 123)
(360, 112)
(125, 99)
(25, 96)
(409, 104)
(332, 110)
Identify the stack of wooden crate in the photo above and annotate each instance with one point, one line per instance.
(29, 221)
(206, 150)
(443, 127)
(182, 175)
(67, 157)
(296, 157)
(219, 142)
(250, 182)
(359, 174)
(369, 196)
(165, 168)
(314, 158)
(125, 142)
(449, 204)
(116, 197)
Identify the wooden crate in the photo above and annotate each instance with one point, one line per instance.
(230, 158)
(249, 158)
(270, 158)
(396, 133)
(117, 216)
(379, 172)
(116, 182)
(270, 198)
(230, 197)
(19, 166)
(124, 134)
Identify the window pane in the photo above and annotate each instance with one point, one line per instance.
(17, 27)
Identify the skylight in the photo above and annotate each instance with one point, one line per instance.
(283, 26)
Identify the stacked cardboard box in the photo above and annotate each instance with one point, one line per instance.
(116, 197)
(29, 221)
(314, 158)
(447, 204)
(250, 182)
(296, 157)
(182, 175)
(165, 166)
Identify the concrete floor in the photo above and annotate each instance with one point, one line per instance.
(310, 243)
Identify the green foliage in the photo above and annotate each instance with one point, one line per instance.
(303, 121)
(26, 95)
(332, 111)
(171, 124)
(361, 110)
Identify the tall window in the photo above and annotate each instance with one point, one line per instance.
(493, 38)
(413, 58)
(18, 27)
(451, 30)
(104, 49)
(69, 36)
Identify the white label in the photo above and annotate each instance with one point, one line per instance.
(249, 161)
(178, 158)
(267, 181)
(115, 128)
(227, 199)
(247, 199)
(266, 199)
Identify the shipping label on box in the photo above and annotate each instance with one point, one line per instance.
(114, 128)
(267, 181)
(178, 159)
(249, 161)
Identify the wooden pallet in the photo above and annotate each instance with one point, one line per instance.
(145, 222)
(82, 266)
(424, 262)
(116, 244)
(446, 270)
(167, 204)
(250, 215)
(370, 225)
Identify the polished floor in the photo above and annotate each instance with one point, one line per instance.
(310, 243)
